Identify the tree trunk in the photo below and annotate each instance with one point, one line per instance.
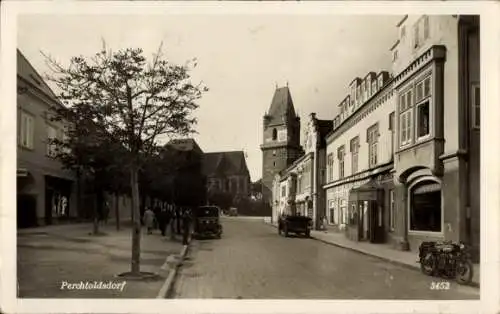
(96, 216)
(136, 228)
(117, 211)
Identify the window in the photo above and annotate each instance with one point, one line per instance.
(372, 139)
(366, 85)
(392, 129)
(274, 163)
(422, 97)
(392, 212)
(405, 117)
(354, 154)
(358, 88)
(299, 184)
(275, 134)
(27, 130)
(340, 156)
(274, 153)
(425, 207)
(374, 86)
(380, 82)
(283, 191)
(353, 94)
(476, 106)
(330, 167)
(421, 31)
(51, 135)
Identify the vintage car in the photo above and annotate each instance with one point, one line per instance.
(294, 224)
(206, 222)
(233, 211)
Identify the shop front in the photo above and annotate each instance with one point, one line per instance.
(366, 213)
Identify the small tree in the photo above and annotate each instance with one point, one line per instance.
(134, 101)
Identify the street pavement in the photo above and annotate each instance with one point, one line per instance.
(252, 261)
(49, 256)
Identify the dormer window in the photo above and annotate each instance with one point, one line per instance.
(380, 81)
(275, 134)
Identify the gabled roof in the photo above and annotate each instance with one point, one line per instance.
(185, 144)
(28, 73)
(281, 104)
(225, 163)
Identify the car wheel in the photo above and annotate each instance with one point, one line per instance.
(286, 232)
(308, 234)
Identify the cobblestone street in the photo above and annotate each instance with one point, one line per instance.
(253, 261)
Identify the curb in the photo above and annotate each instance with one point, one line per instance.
(395, 262)
(473, 284)
(169, 282)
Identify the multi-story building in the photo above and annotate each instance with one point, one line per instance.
(436, 164)
(281, 139)
(359, 154)
(46, 193)
(300, 185)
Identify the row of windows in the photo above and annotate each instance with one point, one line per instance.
(372, 135)
(230, 185)
(339, 216)
(27, 134)
(421, 32)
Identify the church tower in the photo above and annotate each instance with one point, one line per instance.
(281, 139)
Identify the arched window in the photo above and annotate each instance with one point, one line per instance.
(275, 134)
(425, 206)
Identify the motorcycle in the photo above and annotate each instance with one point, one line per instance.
(446, 259)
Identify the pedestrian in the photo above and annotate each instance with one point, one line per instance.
(105, 212)
(162, 221)
(186, 226)
(178, 217)
(157, 212)
(149, 218)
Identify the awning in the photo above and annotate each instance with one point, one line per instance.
(427, 188)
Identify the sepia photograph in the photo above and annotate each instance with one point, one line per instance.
(173, 155)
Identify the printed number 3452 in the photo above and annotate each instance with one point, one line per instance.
(442, 285)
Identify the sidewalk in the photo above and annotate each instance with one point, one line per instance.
(404, 258)
(49, 256)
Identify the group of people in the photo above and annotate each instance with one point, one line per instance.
(177, 217)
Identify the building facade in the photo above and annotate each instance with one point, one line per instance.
(359, 156)
(300, 185)
(227, 172)
(46, 193)
(281, 139)
(437, 146)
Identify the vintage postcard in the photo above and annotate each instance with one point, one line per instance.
(250, 157)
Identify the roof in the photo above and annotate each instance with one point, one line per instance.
(184, 144)
(281, 104)
(225, 163)
(28, 73)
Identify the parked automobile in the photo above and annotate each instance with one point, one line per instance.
(206, 222)
(294, 224)
(233, 211)
(446, 259)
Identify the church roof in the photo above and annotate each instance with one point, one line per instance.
(225, 163)
(185, 144)
(281, 104)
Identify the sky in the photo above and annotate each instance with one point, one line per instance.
(241, 58)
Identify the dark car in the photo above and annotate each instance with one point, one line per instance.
(294, 224)
(206, 220)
